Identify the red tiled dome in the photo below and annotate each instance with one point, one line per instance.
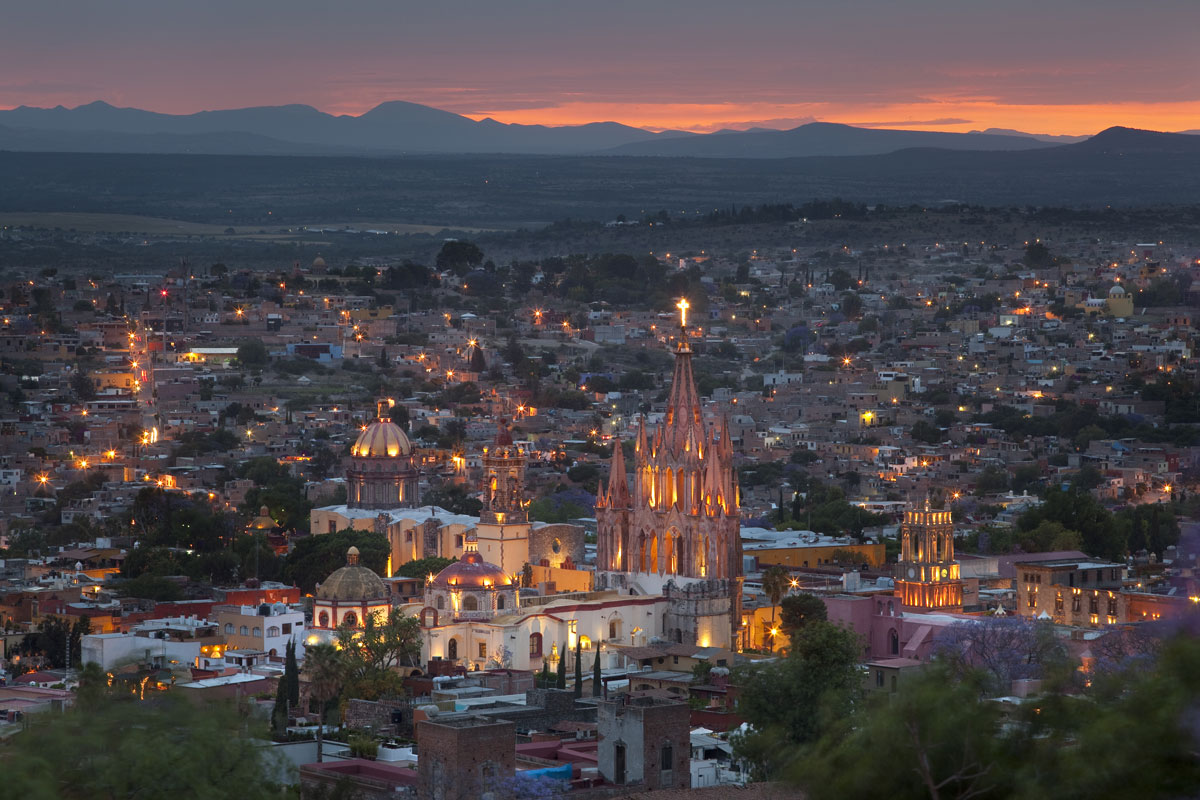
(472, 572)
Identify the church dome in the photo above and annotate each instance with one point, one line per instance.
(1116, 291)
(381, 439)
(263, 522)
(353, 582)
(472, 572)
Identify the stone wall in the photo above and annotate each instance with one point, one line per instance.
(460, 756)
(556, 543)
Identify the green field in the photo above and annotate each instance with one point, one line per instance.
(156, 226)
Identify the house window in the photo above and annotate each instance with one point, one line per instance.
(500, 602)
(585, 643)
(879, 678)
(1093, 604)
(440, 603)
(483, 649)
(272, 631)
(1075, 603)
(1058, 603)
(229, 628)
(243, 631)
(287, 628)
(1112, 606)
(1033, 598)
(535, 644)
(257, 631)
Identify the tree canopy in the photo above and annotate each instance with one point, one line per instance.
(315, 557)
(118, 747)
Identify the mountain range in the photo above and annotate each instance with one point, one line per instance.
(398, 127)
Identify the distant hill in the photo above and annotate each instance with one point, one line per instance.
(390, 128)
(1120, 141)
(1041, 137)
(820, 139)
(399, 127)
(100, 141)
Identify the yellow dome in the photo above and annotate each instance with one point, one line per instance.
(381, 439)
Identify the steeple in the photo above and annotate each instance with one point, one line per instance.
(618, 483)
(683, 407)
(503, 480)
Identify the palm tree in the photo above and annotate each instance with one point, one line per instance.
(323, 663)
(775, 583)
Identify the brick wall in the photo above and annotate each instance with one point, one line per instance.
(458, 757)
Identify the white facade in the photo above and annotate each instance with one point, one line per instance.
(523, 639)
(267, 628)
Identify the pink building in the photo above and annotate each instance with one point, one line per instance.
(886, 629)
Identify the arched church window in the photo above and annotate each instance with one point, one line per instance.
(470, 603)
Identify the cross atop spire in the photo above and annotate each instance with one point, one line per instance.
(683, 305)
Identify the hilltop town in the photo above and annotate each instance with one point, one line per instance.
(582, 497)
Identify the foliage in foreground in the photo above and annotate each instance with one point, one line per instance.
(1129, 732)
(109, 747)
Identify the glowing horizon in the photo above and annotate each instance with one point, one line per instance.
(1072, 67)
(951, 115)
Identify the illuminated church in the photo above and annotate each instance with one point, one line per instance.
(674, 530)
(382, 473)
(927, 576)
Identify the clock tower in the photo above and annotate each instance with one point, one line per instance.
(927, 576)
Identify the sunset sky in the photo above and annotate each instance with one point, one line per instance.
(1042, 66)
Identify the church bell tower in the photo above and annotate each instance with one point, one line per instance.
(927, 576)
(503, 531)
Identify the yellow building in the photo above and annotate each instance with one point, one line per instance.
(1119, 302)
(808, 549)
